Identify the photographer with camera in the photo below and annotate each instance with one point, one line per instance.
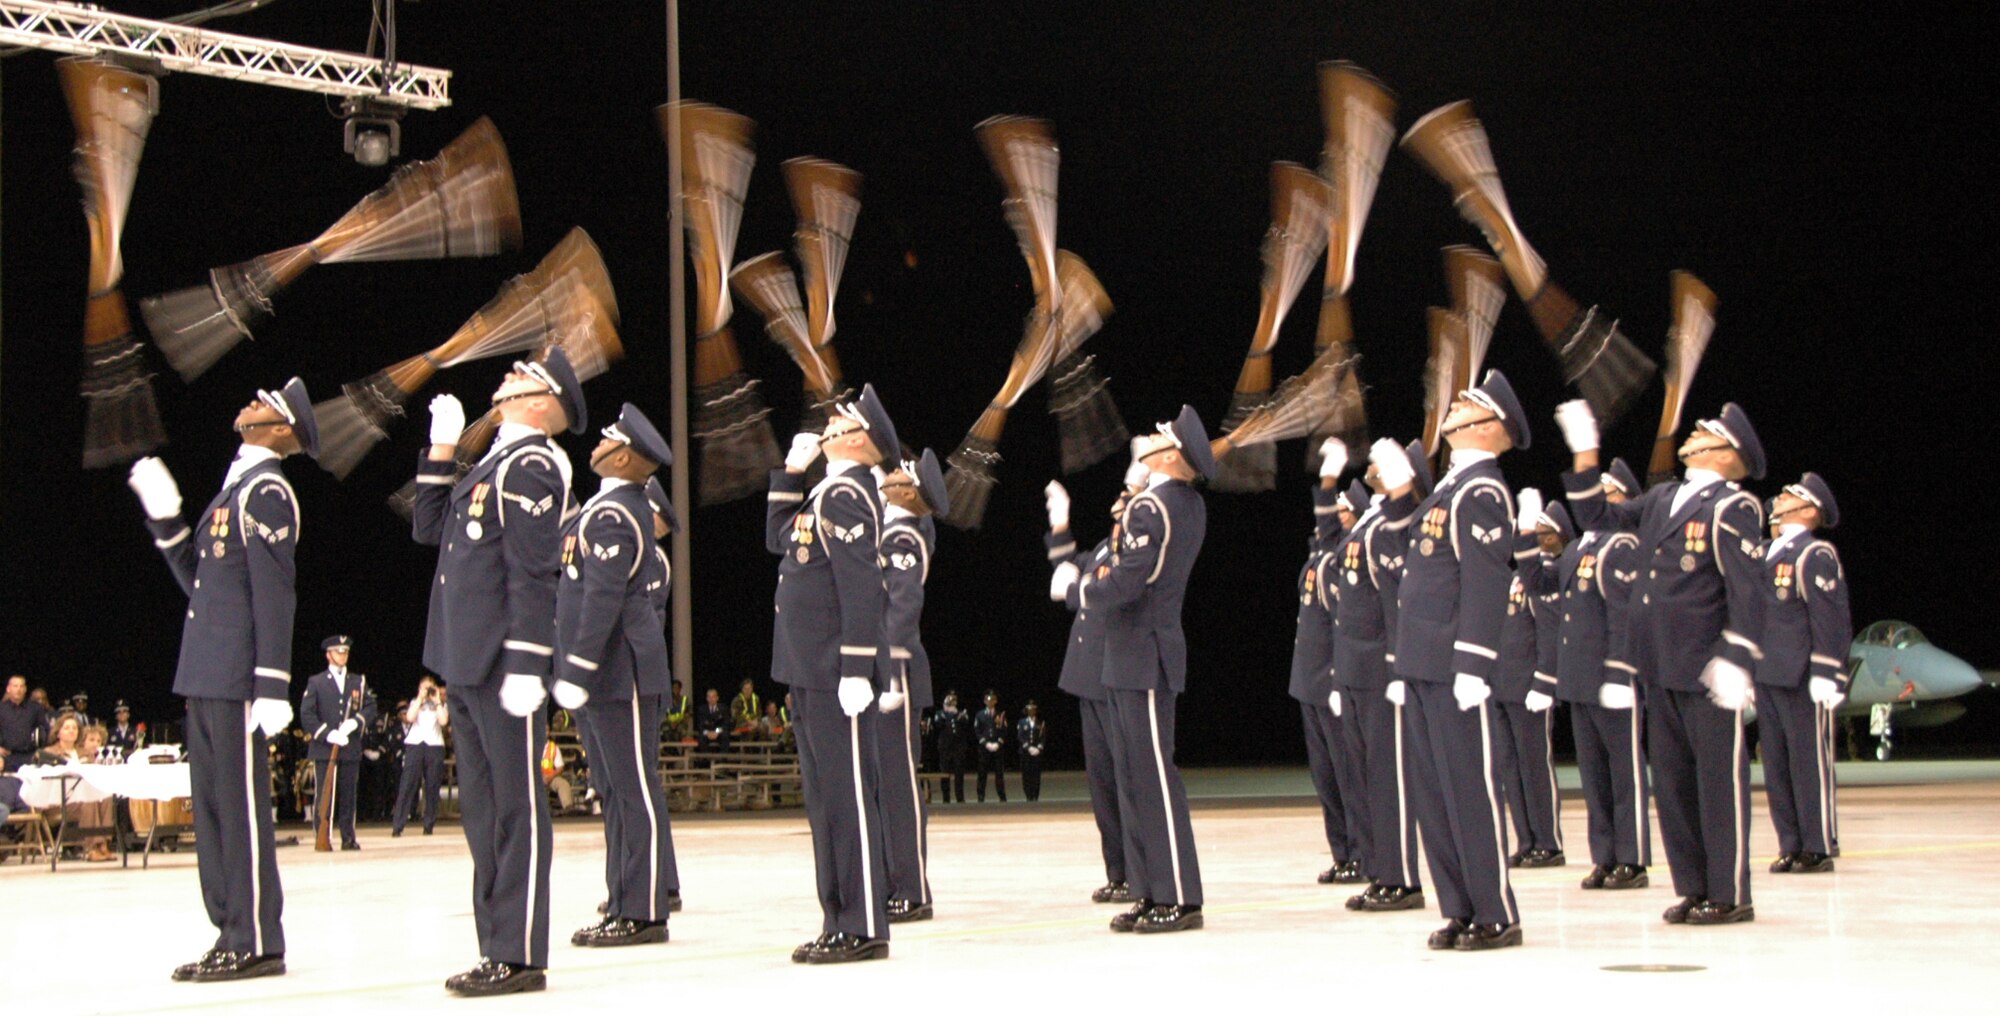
(423, 754)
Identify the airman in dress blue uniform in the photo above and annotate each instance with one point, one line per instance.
(236, 566)
(1692, 637)
(1083, 677)
(1333, 742)
(491, 638)
(612, 671)
(827, 635)
(338, 705)
(657, 577)
(1803, 676)
(1524, 689)
(1452, 605)
(912, 494)
(1139, 593)
(1592, 575)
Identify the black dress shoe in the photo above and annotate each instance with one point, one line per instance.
(1395, 898)
(1711, 912)
(396, 832)
(1678, 913)
(1539, 858)
(1784, 863)
(221, 965)
(1811, 864)
(1112, 892)
(186, 971)
(491, 978)
(1514, 859)
(1351, 874)
(580, 935)
(673, 903)
(1178, 917)
(1329, 876)
(1595, 880)
(1359, 901)
(799, 955)
(904, 911)
(1481, 937)
(1130, 918)
(621, 931)
(1447, 936)
(427, 830)
(842, 947)
(350, 845)
(1627, 876)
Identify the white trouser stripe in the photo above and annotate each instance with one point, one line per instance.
(1402, 806)
(534, 759)
(1549, 761)
(916, 794)
(1738, 778)
(861, 817)
(652, 817)
(250, 807)
(1493, 808)
(1820, 723)
(1639, 829)
(1166, 798)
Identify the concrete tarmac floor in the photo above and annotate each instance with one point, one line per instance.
(1902, 922)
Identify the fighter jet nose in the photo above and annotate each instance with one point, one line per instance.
(1943, 675)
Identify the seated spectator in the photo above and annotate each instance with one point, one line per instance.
(553, 778)
(711, 723)
(126, 736)
(23, 725)
(679, 724)
(68, 746)
(745, 710)
(771, 726)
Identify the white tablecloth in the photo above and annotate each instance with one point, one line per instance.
(42, 786)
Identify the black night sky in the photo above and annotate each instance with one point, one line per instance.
(1817, 168)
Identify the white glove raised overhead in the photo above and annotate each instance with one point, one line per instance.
(1528, 509)
(892, 699)
(271, 715)
(1332, 457)
(805, 448)
(158, 494)
(1392, 464)
(1396, 692)
(1728, 684)
(1470, 691)
(522, 694)
(1538, 702)
(856, 694)
(1333, 701)
(1578, 424)
(1615, 696)
(1066, 575)
(337, 737)
(447, 420)
(1056, 496)
(569, 695)
(1824, 691)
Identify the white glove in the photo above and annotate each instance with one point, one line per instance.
(1579, 425)
(1137, 474)
(891, 700)
(1470, 691)
(1332, 457)
(805, 448)
(1066, 575)
(522, 694)
(1615, 696)
(1528, 509)
(1396, 692)
(273, 715)
(570, 696)
(1333, 701)
(1057, 498)
(447, 420)
(1824, 691)
(1392, 463)
(337, 737)
(855, 695)
(1728, 684)
(1538, 702)
(158, 493)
